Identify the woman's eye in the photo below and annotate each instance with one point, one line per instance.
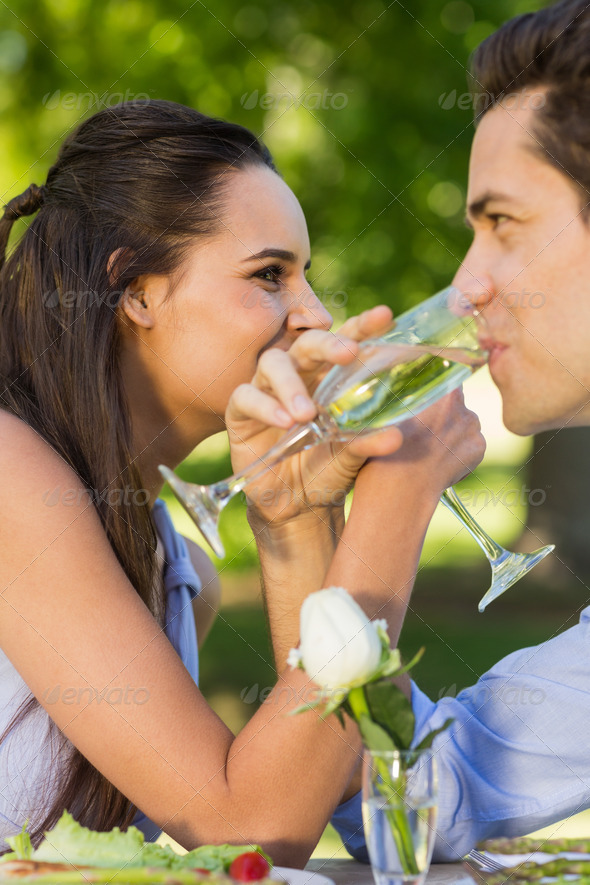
(271, 274)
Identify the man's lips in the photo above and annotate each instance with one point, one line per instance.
(491, 344)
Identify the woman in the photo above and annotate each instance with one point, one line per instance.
(159, 295)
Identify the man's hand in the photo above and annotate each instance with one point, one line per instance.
(441, 446)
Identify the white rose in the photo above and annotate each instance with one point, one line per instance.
(339, 646)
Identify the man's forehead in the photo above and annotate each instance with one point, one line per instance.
(504, 156)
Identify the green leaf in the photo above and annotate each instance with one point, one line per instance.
(304, 708)
(426, 742)
(217, 858)
(22, 847)
(374, 737)
(392, 710)
(71, 842)
(417, 657)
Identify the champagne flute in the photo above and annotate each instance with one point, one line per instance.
(423, 324)
(432, 350)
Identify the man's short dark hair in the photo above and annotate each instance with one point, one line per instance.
(547, 49)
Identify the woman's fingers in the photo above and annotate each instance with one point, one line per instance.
(278, 394)
(251, 403)
(315, 348)
(278, 372)
(368, 324)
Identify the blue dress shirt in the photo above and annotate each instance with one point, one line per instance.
(516, 758)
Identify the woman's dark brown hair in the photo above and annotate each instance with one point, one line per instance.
(550, 49)
(140, 181)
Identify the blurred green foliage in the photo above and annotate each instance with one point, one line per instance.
(362, 103)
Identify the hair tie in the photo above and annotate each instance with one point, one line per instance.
(27, 203)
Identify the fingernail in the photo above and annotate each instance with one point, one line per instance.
(283, 417)
(301, 403)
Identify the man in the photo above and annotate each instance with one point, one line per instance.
(508, 768)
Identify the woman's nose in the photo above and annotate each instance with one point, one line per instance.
(307, 312)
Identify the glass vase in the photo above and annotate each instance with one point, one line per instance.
(399, 814)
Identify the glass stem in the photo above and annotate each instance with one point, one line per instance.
(299, 438)
(492, 550)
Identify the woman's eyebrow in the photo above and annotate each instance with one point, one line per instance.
(281, 254)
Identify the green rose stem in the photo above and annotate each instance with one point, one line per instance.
(392, 791)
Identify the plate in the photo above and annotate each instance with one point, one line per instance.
(480, 874)
(299, 877)
(513, 860)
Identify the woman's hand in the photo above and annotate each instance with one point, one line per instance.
(279, 396)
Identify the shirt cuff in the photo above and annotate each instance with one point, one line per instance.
(347, 820)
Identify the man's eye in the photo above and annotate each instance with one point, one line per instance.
(271, 274)
(498, 219)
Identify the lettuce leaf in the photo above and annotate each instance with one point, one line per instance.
(69, 842)
(22, 847)
(217, 858)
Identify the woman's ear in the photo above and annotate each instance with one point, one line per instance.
(117, 262)
(133, 304)
(136, 305)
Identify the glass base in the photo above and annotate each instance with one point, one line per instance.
(388, 878)
(510, 569)
(200, 506)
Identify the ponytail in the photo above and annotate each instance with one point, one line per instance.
(27, 203)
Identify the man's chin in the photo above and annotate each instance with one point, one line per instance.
(519, 427)
(526, 425)
(517, 421)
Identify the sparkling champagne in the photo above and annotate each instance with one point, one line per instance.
(415, 376)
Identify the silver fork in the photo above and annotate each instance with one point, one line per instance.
(487, 863)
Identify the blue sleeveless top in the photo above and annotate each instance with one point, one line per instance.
(182, 585)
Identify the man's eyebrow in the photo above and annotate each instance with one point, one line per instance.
(281, 254)
(478, 207)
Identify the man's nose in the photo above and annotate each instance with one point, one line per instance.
(477, 286)
(307, 312)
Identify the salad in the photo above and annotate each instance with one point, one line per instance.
(71, 854)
